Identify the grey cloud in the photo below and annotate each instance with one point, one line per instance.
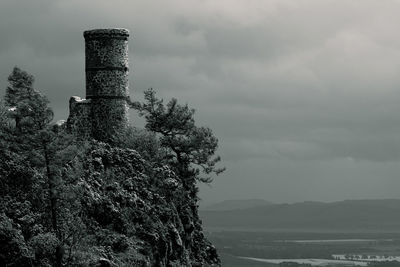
(292, 89)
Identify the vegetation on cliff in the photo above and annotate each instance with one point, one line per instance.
(130, 202)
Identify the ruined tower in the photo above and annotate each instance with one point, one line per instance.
(104, 112)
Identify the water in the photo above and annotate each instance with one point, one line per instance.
(357, 240)
(313, 262)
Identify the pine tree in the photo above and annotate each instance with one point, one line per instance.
(33, 137)
(191, 149)
(28, 107)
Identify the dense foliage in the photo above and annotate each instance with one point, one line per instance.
(71, 202)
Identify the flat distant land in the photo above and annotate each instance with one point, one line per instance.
(270, 249)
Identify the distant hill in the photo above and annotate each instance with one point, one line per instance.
(353, 215)
(237, 204)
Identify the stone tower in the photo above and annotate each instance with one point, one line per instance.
(104, 112)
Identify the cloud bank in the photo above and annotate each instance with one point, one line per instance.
(302, 94)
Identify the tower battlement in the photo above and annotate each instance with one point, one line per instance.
(107, 86)
(107, 33)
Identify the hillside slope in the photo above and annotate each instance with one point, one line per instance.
(344, 215)
(236, 204)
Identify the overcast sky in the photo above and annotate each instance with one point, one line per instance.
(304, 96)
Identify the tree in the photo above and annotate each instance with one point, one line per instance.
(28, 107)
(34, 138)
(189, 148)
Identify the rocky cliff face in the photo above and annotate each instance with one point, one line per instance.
(138, 214)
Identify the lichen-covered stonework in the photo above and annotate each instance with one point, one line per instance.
(102, 51)
(106, 66)
(108, 117)
(79, 120)
(106, 83)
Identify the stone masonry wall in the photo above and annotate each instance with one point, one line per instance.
(106, 67)
(79, 120)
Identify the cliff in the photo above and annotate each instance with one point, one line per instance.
(114, 208)
(137, 213)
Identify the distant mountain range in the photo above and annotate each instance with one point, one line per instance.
(237, 204)
(352, 215)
